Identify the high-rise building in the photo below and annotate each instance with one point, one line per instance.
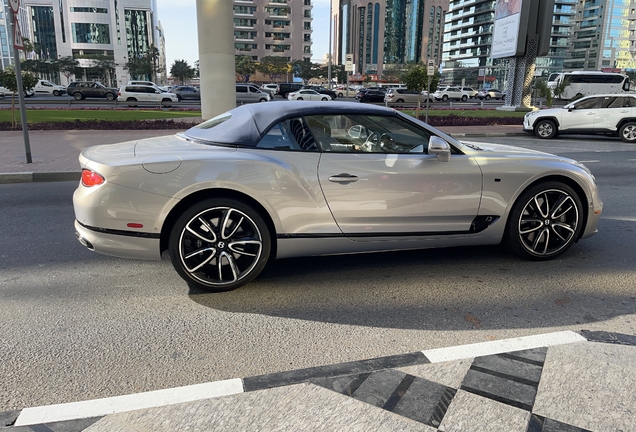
(6, 28)
(90, 32)
(468, 40)
(386, 33)
(280, 28)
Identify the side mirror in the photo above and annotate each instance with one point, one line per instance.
(439, 147)
(158, 91)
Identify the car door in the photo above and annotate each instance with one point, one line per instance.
(379, 180)
(580, 115)
(611, 110)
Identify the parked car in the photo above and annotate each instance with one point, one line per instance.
(450, 92)
(343, 91)
(285, 88)
(145, 93)
(471, 92)
(86, 89)
(610, 114)
(488, 94)
(371, 95)
(5, 91)
(322, 90)
(265, 181)
(308, 94)
(186, 93)
(146, 83)
(397, 96)
(271, 88)
(44, 86)
(247, 93)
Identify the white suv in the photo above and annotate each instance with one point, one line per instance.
(597, 114)
(145, 93)
(448, 92)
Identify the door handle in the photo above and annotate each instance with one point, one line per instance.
(343, 178)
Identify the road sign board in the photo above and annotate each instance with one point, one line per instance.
(18, 43)
(349, 67)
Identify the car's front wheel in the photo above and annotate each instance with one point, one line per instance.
(166, 102)
(340, 94)
(545, 221)
(219, 244)
(627, 132)
(545, 129)
(56, 93)
(464, 98)
(487, 97)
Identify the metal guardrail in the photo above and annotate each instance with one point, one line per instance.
(114, 104)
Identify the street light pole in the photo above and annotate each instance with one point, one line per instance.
(330, 30)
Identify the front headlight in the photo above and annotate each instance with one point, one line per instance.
(531, 113)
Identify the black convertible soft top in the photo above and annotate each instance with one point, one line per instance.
(247, 123)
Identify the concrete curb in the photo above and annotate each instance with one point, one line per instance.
(38, 177)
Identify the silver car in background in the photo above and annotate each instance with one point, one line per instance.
(266, 181)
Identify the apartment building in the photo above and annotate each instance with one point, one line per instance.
(384, 34)
(273, 28)
(116, 30)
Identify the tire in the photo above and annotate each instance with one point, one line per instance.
(324, 99)
(56, 93)
(131, 99)
(262, 100)
(232, 241)
(299, 98)
(627, 132)
(544, 222)
(166, 102)
(464, 98)
(78, 96)
(110, 96)
(400, 101)
(487, 97)
(444, 98)
(545, 129)
(340, 94)
(179, 98)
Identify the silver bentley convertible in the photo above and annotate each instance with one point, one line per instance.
(281, 180)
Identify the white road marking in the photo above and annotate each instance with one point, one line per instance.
(590, 161)
(117, 404)
(502, 346)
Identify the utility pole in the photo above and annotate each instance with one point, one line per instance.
(330, 48)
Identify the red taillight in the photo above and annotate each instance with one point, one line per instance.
(90, 178)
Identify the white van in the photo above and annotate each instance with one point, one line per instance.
(44, 86)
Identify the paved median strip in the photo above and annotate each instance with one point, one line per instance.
(158, 398)
(36, 177)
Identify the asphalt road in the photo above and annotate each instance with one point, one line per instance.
(77, 325)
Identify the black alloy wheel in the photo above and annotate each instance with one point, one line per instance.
(219, 244)
(545, 221)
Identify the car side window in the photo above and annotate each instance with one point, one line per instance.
(367, 134)
(241, 89)
(289, 134)
(614, 102)
(586, 103)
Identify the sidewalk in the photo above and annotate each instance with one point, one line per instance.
(55, 153)
(556, 382)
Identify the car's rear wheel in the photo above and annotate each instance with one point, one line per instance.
(299, 98)
(179, 98)
(487, 97)
(78, 96)
(219, 244)
(400, 101)
(110, 96)
(131, 99)
(627, 132)
(340, 94)
(166, 102)
(545, 221)
(545, 129)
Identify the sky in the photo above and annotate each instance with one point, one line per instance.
(179, 22)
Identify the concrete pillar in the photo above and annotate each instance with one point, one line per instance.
(215, 21)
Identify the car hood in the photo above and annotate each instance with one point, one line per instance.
(502, 150)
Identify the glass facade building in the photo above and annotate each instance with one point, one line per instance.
(387, 34)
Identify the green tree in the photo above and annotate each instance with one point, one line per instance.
(244, 67)
(544, 91)
(139, 68)
(182, 70)
(274, 67)
(416, 79)
(8, 80)
(105, 66)
(307, 70)
(68, 66)
(560, 88)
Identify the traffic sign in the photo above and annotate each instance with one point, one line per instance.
(18, 43)
(430, 70)
(349, 63)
